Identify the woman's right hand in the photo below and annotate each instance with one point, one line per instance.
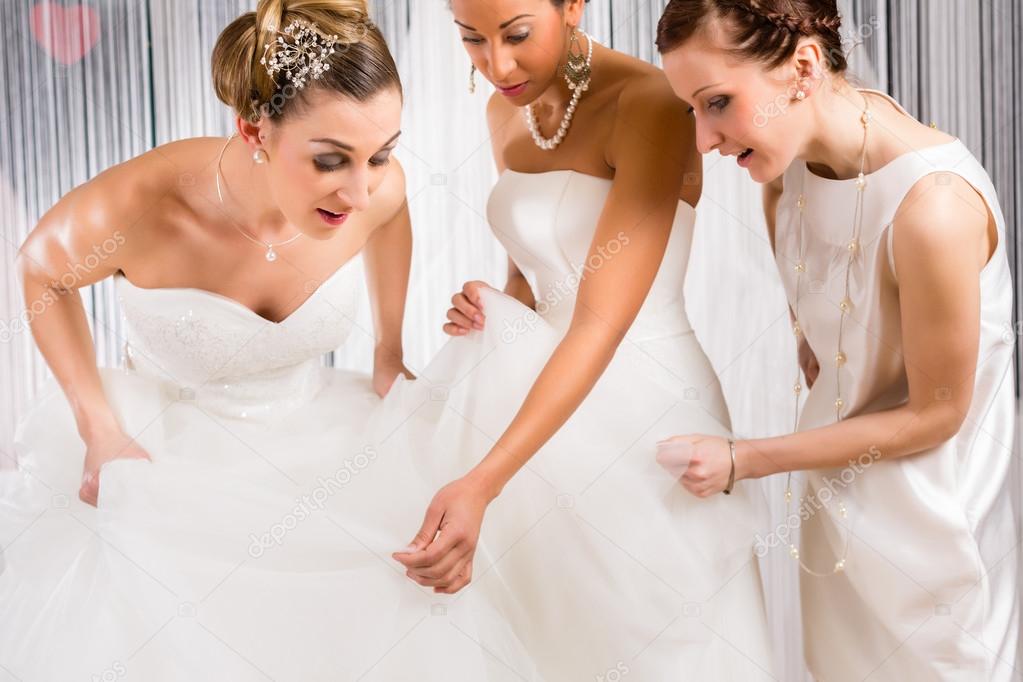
(100, 450)
(808, 362)
(466, 312)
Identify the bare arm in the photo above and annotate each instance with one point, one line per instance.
(941, 244)
(78, 242)
(388, 258)
(638, 213)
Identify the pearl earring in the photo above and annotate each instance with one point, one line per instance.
(800, 95)
(259, 156)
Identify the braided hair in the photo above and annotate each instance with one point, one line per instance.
(761, 30)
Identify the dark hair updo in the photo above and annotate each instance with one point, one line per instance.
(767, 31)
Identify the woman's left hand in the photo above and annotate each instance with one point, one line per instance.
(444, 561)
(709, 463)
(386, 368)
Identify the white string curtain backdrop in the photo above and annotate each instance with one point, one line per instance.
(134, 74)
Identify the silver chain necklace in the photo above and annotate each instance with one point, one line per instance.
(271, 254)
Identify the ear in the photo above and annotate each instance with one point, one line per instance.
(807, 64)
(254, 134)
(573, 10)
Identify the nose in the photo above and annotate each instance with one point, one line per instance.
(707, 137)
(502, 64)
(355, 193)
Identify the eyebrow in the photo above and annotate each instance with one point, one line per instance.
(348, 147)
(704, 88)
(502, 26)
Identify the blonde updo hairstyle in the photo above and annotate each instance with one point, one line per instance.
(360, 67)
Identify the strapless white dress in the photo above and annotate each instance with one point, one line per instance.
(599, 560)
(256, 544)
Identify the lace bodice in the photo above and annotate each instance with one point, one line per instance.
(214, 350)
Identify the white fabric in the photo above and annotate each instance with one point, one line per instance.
(257, 541)
(929, 589)
(669, 560)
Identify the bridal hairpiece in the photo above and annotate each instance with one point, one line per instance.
(300, 51)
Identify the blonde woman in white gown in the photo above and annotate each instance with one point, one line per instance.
(245, 502)
(892, 249)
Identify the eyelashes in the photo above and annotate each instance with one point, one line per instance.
(718, 104)
(330, 168)
(513, 39)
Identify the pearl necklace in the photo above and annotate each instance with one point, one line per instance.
(270, 254)
(549, 143)
(844, 306)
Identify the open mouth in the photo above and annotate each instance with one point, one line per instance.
(744, 158)
(332, 218)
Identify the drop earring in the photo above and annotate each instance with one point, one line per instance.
(800, 91)
(472, 80)
(259, 156)
(577, 65)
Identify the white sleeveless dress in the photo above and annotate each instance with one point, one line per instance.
(257, 542)
(930, 585)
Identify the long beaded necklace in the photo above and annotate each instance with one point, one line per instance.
(844, 306)
(271, 254)
(577, 75)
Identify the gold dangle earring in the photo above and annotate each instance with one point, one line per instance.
(472, 80)
(577, 66)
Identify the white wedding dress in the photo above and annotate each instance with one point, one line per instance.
(601, 563)
(256, 543)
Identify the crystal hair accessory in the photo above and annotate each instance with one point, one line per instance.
(300, 51)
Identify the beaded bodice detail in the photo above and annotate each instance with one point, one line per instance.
(228, 359)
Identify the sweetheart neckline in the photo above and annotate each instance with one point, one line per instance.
(238, 304)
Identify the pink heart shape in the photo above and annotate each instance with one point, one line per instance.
(66, 33)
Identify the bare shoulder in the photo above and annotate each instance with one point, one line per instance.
(117, 204)
(649, 94)
(653, 127)
(121, 194)
(942, 214)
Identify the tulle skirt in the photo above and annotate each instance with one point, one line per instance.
(262, 550)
